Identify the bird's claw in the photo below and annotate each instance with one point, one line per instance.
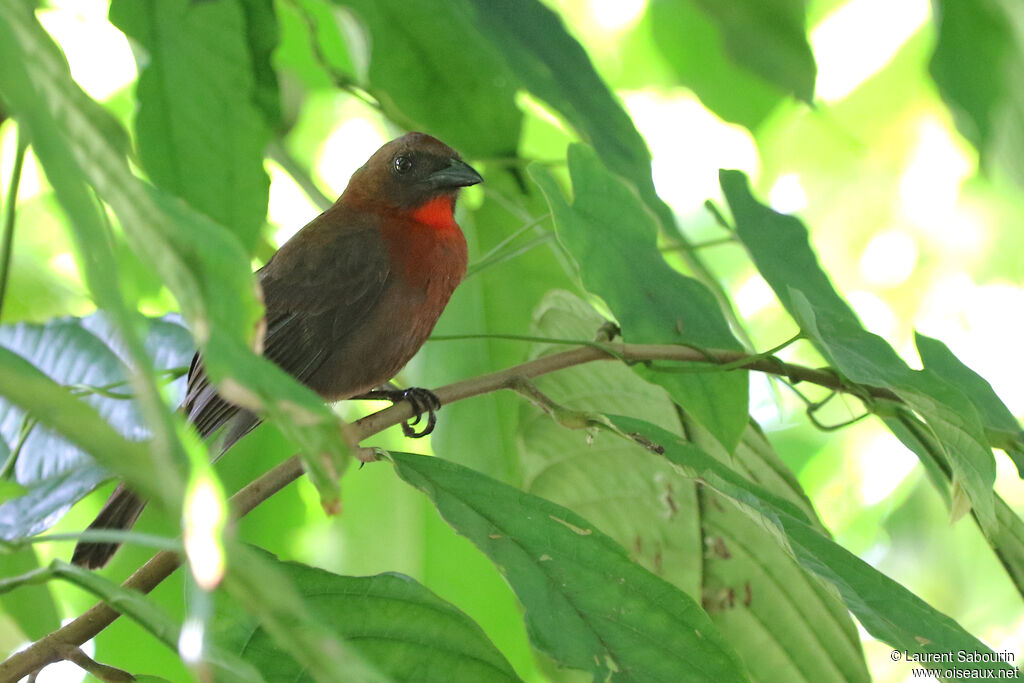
(421, 400)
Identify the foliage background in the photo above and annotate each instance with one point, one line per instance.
(902, 217)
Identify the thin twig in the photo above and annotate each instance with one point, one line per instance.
(341, 80)
(107, 674)
(701, 245)
(7, 240)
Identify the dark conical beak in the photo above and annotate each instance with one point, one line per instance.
(456, 174)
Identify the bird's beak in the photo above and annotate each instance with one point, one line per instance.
(456, 174)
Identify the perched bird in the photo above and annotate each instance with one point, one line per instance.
(349, 299)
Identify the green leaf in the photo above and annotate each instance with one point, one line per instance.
(782, 253)
(1007, 539)
(688, 535)
(390, 619)
(263, 37)
(769, 38)
(267, 593)
(205, 93)
(33, 608)
(613, 239)
(53, 406)
(76, 352)
(431, 71)
(586, 604)
(635, 497)
(977, 62)
(1000, 424)
(755, 590)
(692, 45)
(886, 609)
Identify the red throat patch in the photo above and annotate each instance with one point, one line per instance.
(437, 213)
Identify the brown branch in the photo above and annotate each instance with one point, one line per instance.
(51, 647)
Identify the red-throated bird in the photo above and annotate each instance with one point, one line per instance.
(350, 298)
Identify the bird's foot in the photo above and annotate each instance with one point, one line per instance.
(421, 400)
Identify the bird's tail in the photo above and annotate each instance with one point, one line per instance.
(120, 512)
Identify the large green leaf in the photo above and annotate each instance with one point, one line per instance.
(269, 594)
(782, 253)
(886, 609)
(613, 239)
(431, 71)
(587, 605)
(692, 45)
(76, 352)
(204, 93)
(634, 497)
(391, 620)
(769, 38)
(977, 64)
(55, 407)
(754, 591)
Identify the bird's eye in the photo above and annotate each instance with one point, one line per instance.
(403, 164)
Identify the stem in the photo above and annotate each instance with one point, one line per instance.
(49, 648)
(7, 241)
(27, 425)
(107, 674)
(341, 80)
(701, 245)
(495, 255)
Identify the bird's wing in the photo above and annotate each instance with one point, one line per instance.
(314, 301)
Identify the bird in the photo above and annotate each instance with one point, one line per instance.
(349, 300)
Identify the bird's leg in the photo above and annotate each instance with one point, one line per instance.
(421, 400)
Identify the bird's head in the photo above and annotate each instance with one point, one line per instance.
(415, 174)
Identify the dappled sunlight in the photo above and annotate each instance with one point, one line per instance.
(882, 464)
(32, 179)
(753, 295)
(616, 16)
(874, 312)
(348, 146)
(689, 144)
(787, 194)
(931, 181)
(889, 258)
(859, 39)
(983, 326)
(290, 208)
(100, 57)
